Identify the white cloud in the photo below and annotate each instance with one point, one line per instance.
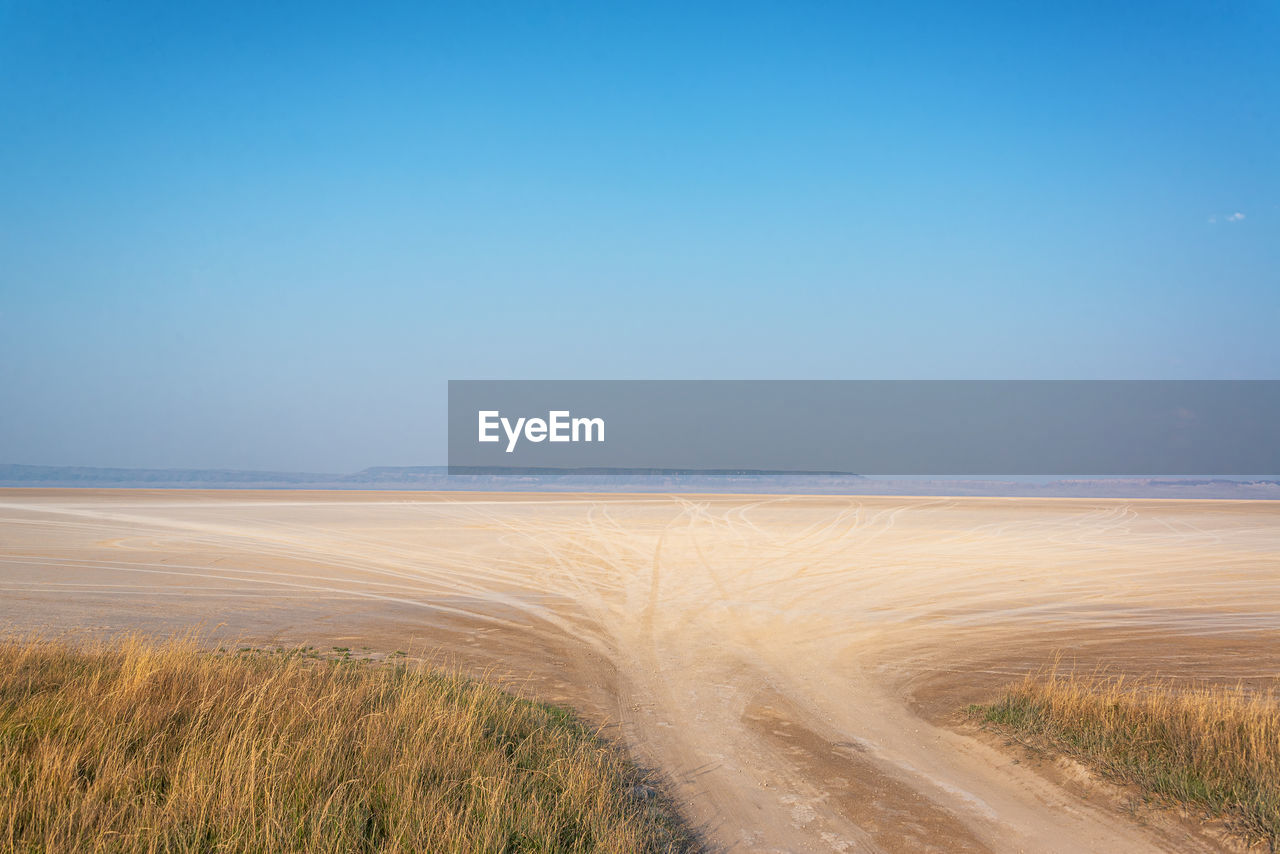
(1235, 217)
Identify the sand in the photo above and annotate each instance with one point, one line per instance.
(792, 665)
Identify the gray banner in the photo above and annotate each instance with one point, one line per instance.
(940, 428)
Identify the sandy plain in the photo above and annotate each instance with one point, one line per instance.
(793, 666)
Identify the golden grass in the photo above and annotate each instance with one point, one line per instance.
(1213, 749)
(142, 746)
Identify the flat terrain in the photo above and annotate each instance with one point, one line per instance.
(793, 664)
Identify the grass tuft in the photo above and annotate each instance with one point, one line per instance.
(142, 746)
(1213, 749)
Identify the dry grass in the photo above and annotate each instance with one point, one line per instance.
(1214, 749)
(138, 746)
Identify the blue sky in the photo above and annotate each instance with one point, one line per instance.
(233, 236)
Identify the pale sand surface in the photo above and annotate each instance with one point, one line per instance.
(793, 665)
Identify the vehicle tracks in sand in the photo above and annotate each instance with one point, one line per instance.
(760, 651)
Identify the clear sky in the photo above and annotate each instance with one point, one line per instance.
(264, 235)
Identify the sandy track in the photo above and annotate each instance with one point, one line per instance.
(786, 661)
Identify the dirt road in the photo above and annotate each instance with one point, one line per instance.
(789, 663)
